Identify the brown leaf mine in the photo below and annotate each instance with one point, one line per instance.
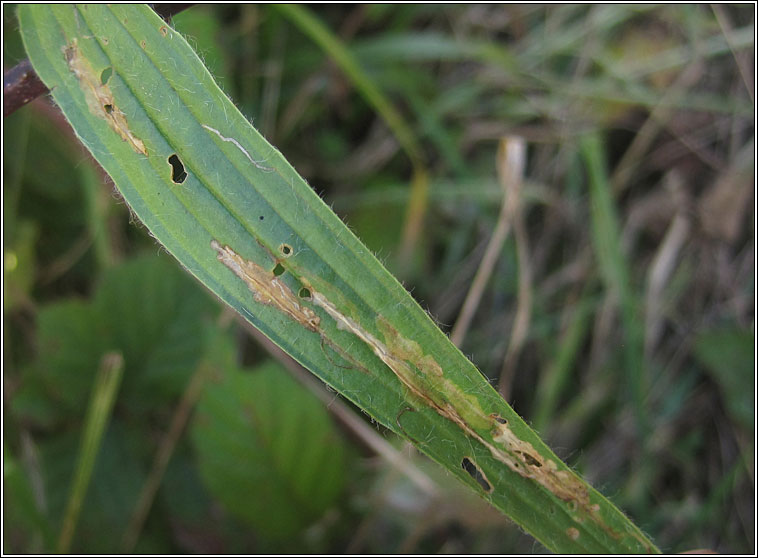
(99, 96)
(267, 287)
(425, 380)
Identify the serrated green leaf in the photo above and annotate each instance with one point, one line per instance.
(242, 212)
(156, 316)
(267, 450)
(146, 309)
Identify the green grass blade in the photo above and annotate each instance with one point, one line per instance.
(101, 403)
(615, 273)
(373, 95)
(558, 372)
(239, 218)
(370, 91)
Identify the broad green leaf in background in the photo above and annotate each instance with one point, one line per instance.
(156, 314)
(728, 355)
(152, 312)
(238, 217)
(267, 450)
(116, 479)
(147, 310)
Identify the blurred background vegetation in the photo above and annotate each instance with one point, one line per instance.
(618, 319)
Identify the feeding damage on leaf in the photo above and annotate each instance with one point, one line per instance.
(99, 96)
(425, 377)
(420, 373)
(426, 382)
(238, 146)
(476, 473)
(266, 287)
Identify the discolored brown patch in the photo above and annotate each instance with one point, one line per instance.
(100, 97)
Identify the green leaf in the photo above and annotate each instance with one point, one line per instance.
(728, 355)
(241, 220)
(202, 28)
(606, 233)
(115, 483)
(156, 316)
(146, 309)
(104, 390)
(70, 350)
(267, 450)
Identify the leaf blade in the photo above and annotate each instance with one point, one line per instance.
(373, 343)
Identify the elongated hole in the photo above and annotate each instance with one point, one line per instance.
(530, 459)
(470, 467)
(499, 419)
(178, 174)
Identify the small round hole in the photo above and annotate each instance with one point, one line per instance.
(285, 249)
(108, 108)
(304, 293)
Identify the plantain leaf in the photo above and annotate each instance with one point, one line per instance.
(238, 217)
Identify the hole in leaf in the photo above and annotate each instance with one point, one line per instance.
(530, 459)
(278, 270)
(164, 30)
(470, 467)
(304, 293)
(108, 108)
(106, 75)
(261, 218)
(499, 419)
(178, 174)
(285, 249)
